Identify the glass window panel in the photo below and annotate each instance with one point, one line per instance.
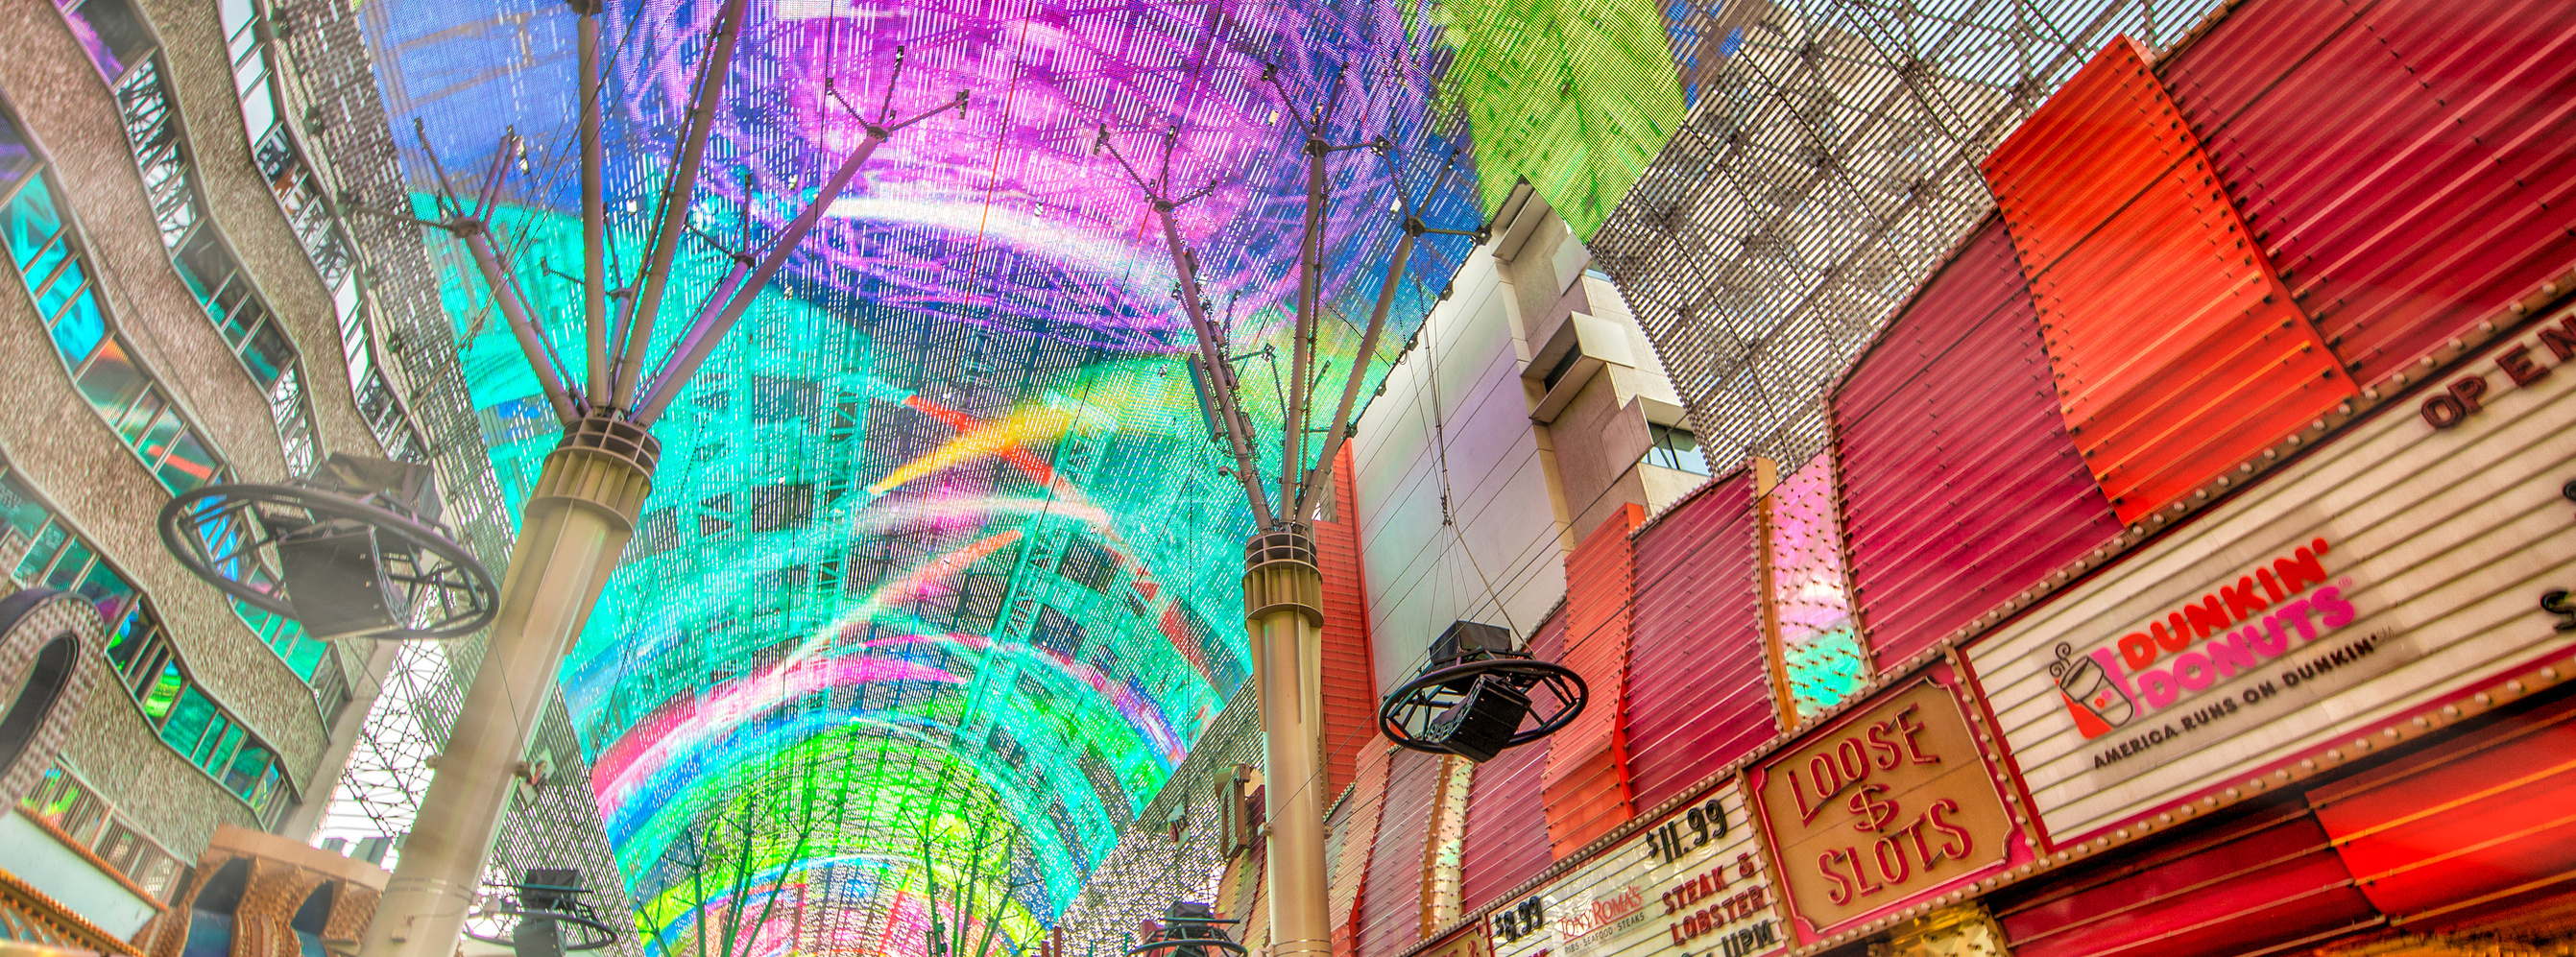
(80, 327)
(164, 430)
(205, 263)
(107, 590)
(244, 772)
(159, 699)
(302, 654)
(55, 279)
(112, 32)
(269, 354)
(70, 565)
(138, 418)
(236, 311)
(270, 795)
(221, 754)
(127, 637)
(237, 16)
(191, 464)
(18, 505)
(21, 517)
(32, 223)
(16, 159)
(111, 383)
(189, 717)
(259, 111)
(41, 556)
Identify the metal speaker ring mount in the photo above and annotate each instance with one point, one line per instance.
(1478, 697)
(352, 551)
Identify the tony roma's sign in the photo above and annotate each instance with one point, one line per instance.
(1692, 885)
(1882, 807)
(2393, 566)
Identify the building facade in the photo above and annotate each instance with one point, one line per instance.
(2168, 556)
(192, 304)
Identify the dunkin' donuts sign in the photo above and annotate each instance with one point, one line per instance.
(1883, 807)
(2236, 628)
(2386, 570)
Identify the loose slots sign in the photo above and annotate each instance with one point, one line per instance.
(1883, 807)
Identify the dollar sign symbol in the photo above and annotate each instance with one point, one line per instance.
(1873, 813)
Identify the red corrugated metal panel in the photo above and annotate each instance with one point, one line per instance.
(1506, 841)
(1350, 677)
(2240, 890)
(2463, 832)
(1351, 834)
(2177, 352)
(1391, 903)
(1960, 485)
(1699, 686)
(1587, 761)
(2410, 164)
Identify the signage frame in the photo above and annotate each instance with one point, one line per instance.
(1948, 682)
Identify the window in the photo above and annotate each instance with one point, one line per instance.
(302, 196)
(63, 800)
(244, 319)
(1676, 448)
(40, 549)
(134, 75)
(57, 278)
(46, 251)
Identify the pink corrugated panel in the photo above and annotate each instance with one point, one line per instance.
(1350, 836)
(1699, 684)
(1506, 840)
(1960, 485)
(2409, 164)
(1391, 901)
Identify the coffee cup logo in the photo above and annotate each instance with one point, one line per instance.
(2096, 702)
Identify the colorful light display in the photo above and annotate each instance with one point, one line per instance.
(937, 583)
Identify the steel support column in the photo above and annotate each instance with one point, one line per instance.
(1283, 598)
(578, 520)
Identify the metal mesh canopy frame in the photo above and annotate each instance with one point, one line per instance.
(936, 587)
(1824, 168)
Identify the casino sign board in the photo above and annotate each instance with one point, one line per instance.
(1883, 807)
(1692, 885)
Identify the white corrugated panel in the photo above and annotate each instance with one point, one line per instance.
(1696, 879)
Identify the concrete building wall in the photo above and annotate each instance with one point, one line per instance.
(1524, 473)
(69, 456)
(1497, 559)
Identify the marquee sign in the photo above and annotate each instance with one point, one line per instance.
(1692, 885)
(2393, 566)
(1883, 807)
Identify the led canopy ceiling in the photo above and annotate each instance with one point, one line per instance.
(938, 579)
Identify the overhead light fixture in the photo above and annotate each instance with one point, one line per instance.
(1474, 696)
(1188, 929)
(352, 550)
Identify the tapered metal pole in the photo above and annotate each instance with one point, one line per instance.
(578, 520)
(514, 311)
(738, 290)
(594, 217)
(1283, 597)
(676, 199)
